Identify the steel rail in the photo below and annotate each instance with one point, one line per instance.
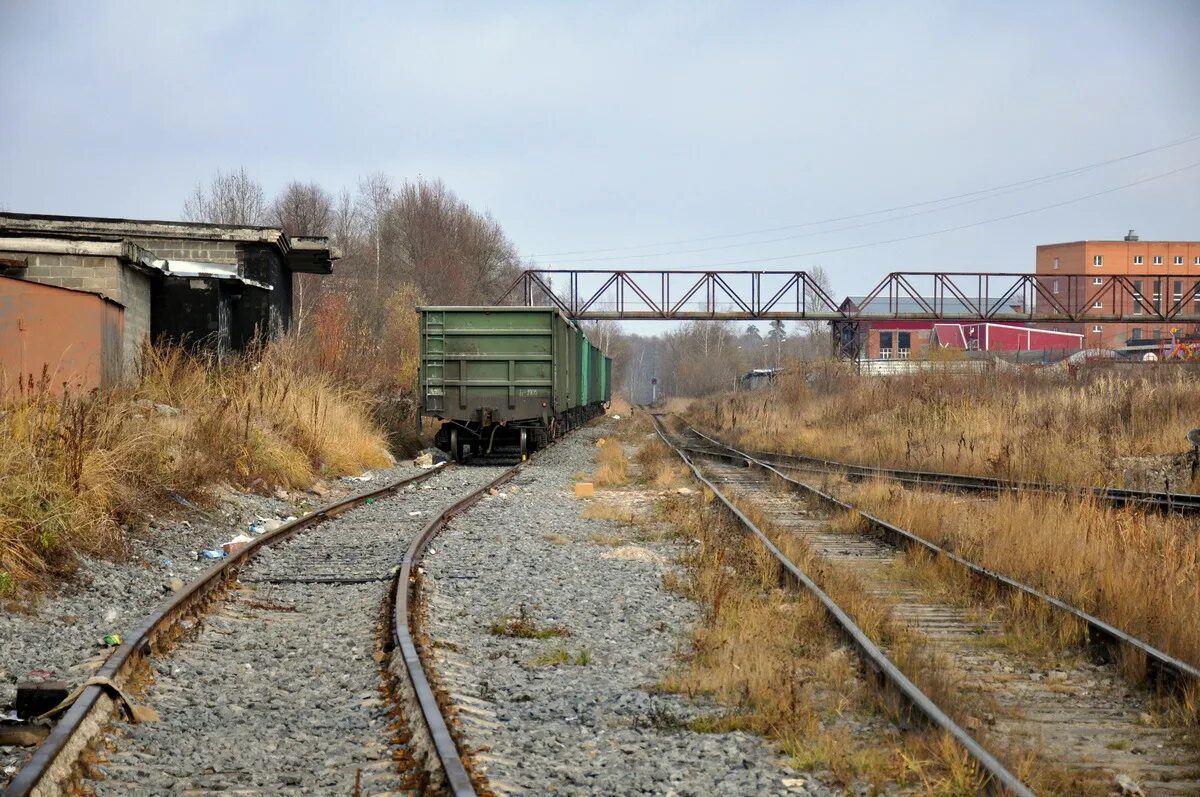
(47, 769)
(1118, 496)
(404, 588)
(1161, 664)
(875, 658)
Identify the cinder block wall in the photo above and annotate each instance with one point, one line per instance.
(105, 276)
(177, 249)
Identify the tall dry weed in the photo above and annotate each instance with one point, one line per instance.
(1140, 572)
(77, 469)
(1092, 428)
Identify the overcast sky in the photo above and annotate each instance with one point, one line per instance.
(596, 126)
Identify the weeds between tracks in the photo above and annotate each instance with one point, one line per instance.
(770, 657)
(1099, 428)
(1138, 571)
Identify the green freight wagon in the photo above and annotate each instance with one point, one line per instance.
(506, 380)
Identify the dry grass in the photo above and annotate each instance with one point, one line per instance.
(77, 470)
(769, 656)
(523, 626)
(659, 466)
(612, 466)
(1013, 425)
(1139, 572)
(598, 510)
(619, 406)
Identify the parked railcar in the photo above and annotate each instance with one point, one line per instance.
(506, 380)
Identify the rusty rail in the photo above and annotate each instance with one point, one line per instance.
(1183, 503)
(453, 775)
(1165, 667)
(54, 762)
(1000, 779)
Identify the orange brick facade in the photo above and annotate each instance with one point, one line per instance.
(1070, 272)
(897, 341)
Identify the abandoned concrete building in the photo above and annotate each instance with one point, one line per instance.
(79, 297)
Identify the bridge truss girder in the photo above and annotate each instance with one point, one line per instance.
(594, 294)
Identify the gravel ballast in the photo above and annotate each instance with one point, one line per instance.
(278, 688)
(575, 714)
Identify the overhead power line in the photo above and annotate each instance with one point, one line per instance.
(981, 194)
(956, 227)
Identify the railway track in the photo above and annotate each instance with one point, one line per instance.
(1076, 728)
(292, 667)
(1117, 496)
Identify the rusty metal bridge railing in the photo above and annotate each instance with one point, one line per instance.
(594, 294)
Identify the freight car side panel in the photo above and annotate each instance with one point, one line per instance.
(484, 363)
(597, 366)
(585, 364)
(561, 395)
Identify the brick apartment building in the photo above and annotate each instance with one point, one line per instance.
(1161, 273)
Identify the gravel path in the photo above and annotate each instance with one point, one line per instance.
(248, 699)
(587, 725)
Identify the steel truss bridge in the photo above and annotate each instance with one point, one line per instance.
(595, 294)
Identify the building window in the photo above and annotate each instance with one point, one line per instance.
(1137, 297)
(1097, 260)
(1097, 328)
(1054, 285)
(1179, 260)
(1158, 260)
(1178, 290)
(1196, 261)
(1138, 260)
(1097, 305)
(1137, 333)
(885, 345)
(1158, 296)
(903, 344)
(1097, 280)
(1056, 262)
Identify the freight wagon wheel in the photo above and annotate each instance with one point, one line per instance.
(455, 449)
(524, 444)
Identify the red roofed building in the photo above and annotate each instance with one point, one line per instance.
(988, 336)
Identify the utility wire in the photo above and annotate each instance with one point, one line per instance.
(797, 236)
(957, 227)
(1006, 188)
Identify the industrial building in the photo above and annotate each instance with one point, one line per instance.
(988, 336)
(887, 338)
(80, 296)
(1080, 275)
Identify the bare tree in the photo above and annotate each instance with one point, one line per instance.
(303, 209)
(604, 334)
(777, 334)
(817, 335)
(375, 194)
(444, 246)
(231, 198)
